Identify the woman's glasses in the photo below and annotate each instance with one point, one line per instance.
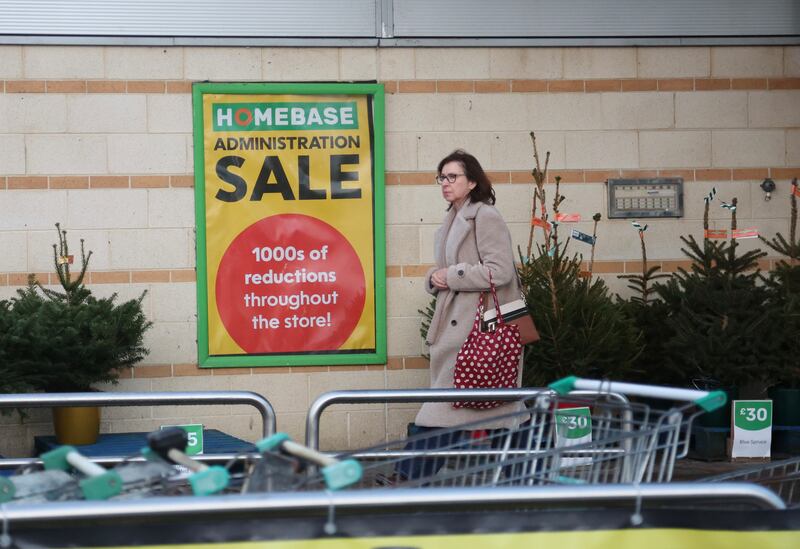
(449, 177)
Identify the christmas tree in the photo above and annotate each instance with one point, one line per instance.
(784, 282)
(68, 340)
(583, 331)
(719, 322)
(649, 315)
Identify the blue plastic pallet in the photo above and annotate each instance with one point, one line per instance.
(129, 444)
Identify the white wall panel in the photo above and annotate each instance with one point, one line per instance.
(393, 22)
(595, 18)
(232, 18)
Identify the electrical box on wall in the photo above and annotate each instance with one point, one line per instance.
(658, 197)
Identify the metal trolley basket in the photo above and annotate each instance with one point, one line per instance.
(578, 432)
(782, 477)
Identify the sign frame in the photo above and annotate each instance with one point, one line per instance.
(741, 432)
(642, 190)
(378, 355)
(564, 427)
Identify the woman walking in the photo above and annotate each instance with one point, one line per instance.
(471, 247)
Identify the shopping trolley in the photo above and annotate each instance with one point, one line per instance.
(278, 465)
(577, 432)
(283, 465)
(782, 477)
(67, 475)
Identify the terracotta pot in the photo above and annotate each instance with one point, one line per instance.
(76, 425)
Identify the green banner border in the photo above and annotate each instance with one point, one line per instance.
(379, 226)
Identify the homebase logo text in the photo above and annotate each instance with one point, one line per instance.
(248, 117)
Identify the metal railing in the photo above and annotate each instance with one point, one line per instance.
(182, 398)
(420, 396)
(360, 501)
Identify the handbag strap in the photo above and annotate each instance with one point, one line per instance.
(500, 319)
(476, 325)
(516, 273)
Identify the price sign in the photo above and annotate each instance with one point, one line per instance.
(573, 427)
(194, 431)
(752, 428)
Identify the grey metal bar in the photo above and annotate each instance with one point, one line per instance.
(183, 398)
(111, 461)
(420, 395)
(188, 41)
(358, 501)
(599, 41)
(391, 42)
(404, 395)
(480, 453)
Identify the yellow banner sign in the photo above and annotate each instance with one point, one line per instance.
(656, 538)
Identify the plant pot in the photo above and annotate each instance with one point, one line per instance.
(709, 443)
(785, 406)
(76, 425)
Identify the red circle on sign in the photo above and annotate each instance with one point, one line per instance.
(290, 283)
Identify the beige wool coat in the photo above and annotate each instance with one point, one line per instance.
(470, 242)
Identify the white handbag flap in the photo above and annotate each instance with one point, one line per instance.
(510, 311)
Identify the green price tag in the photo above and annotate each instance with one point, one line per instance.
(574, 423)
(194, 431)
(752, 415)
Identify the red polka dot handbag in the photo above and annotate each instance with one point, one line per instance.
(488, 360)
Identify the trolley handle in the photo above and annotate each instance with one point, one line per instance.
(337, 473)
(98, 484)
(707, 400)
(170, 444)
(281, 442)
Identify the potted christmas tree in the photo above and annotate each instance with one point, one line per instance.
(69, 340)
(784, 281)
(718, 320)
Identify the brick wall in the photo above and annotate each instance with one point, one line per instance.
(99, 138)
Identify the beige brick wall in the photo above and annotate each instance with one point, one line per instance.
(675, 149)
(673, 62)
(580, 63)
(11, 62)
(791, 61)
(63, 62)
(451, 63)
(33, 114)
(525, 63)
(100, 138)
(712, 109)
(747, 62)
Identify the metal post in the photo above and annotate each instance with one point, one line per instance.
(184, 398)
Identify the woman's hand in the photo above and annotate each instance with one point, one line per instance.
(439, 279)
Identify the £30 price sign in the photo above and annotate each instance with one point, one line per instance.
(752, 428)
(573, 427)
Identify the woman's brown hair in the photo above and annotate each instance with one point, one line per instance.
(483, 191)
